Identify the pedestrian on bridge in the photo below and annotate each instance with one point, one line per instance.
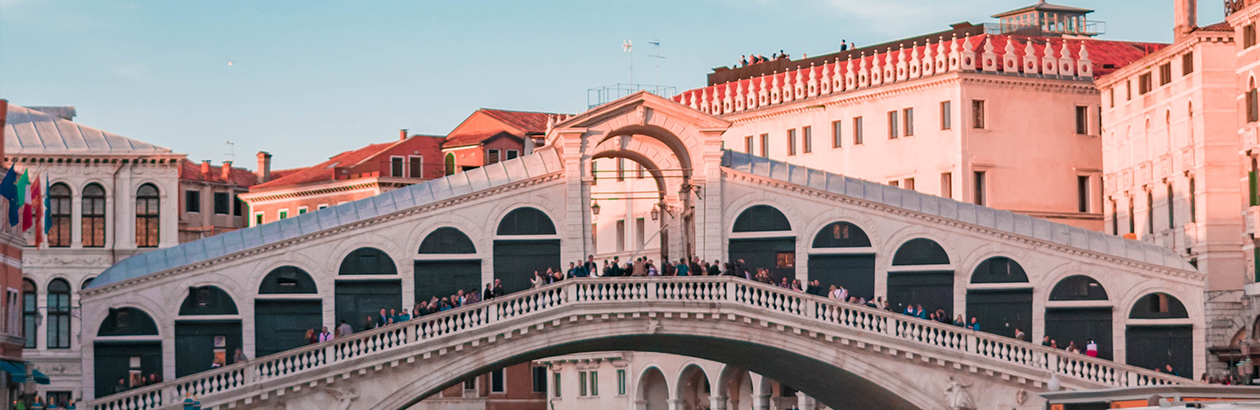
(344, 329)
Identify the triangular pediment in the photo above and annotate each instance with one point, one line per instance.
(632, 102)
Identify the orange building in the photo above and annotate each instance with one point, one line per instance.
(348, 176)
(489, 136)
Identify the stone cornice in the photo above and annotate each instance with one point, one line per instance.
(1138, 266)
(379, 220)
(873, 93)
(94, 158)
(255, 198)
(1246, 14)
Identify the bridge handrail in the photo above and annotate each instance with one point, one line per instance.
(599, 290)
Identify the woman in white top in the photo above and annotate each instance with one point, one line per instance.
(537, 281)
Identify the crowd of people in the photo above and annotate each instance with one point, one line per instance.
(745, 60)
(391, 316)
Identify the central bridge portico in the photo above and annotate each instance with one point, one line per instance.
(505, 220)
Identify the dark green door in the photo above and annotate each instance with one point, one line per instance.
(112, 361)
(444, 278)
(1080, 325)
(516, 261)
(776, 254)
(357, 299)
(855, 272)
(195, 344)
(934, 290)
(1153, 347)
(281, 325)
(1000, 312)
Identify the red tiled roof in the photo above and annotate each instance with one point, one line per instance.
(531, 122)
(1107, 57)
(324, 171)
(191, 171)
(1222, 27)
(463, 140)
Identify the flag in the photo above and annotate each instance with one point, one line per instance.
(37, 204)
(47, 209)
(8, 190)
(23, 196)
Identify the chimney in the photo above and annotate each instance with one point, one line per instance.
(402, 134)
(264, 167)
(226, 171)
(1185, 18)
(205, 167)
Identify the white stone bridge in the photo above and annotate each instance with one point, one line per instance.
(844, 355)
(171, 310)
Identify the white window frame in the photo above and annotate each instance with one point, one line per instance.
(391, 165)
(503, 375)
(321, 206)
(255, 221)
(510, 152)
(282, 214)
(302, 210)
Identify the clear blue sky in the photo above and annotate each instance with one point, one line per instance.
(314, 78)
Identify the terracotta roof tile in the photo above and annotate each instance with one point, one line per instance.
(191, 171)
(531, 122)
(1221, 27)
(474, 138)
(324, 171)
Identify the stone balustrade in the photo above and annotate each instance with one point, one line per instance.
(446, 332)
(994, 54)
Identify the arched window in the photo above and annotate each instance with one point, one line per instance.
(127, 322)
(447, 240)
(999, 269)
(207, 300)
(367, 261)
(450, 164)
(87, 282)
(287, 280)
(526, 221)
(920, 251)
(93, 216)
(759, 218)
(1158, 306)
(841, 235)
(59, 314)
(59, 215)
(1253, 112)
(1156, 342)
(29, 311)
(148, 217)
(1078, 287)
(1150, 212)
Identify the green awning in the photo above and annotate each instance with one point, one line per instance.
(17, 372)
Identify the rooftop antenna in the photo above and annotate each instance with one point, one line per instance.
(628, 47)
(657, 55)
(231, 151)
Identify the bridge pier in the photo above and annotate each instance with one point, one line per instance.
(717, 403)
(676, 404)
(804, 402)
(761, 402)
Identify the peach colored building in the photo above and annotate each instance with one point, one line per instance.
(208, 203)
(963, 115)
(489, 136)
(350, 175)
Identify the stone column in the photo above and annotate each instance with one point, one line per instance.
(639, 405)
(709, 236)
(577, 200)
(676, 404)
(804, 402)
(761, 402)
(717, 403)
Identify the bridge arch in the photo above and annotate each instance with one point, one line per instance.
(922, 273)
(526, 240)
(446, 261)
(763, 236)
(126, 332)
(1160, 335)
(288, 303)
(1000, 297)
(208, 330)
(1079, 309)
(367, 281)
(841, 253)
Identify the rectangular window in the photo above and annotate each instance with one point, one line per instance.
(857, 130)
(1253, 105)
(947, 185)
(836, 141)
(58, 318)
(59, 214)
(30, 322)
(540, 379)
(302, 210)
(416, 165)
(1150, 212)
(748, 145)
(556, 386)
(640, 229)
(192, 201)
(892, 125)
(907, 118)
(258, 218)
(895, 183)
(1249, 35)
(621, 169)
(621, 382)
(594, 381)
(396, 167)
(492, 156)
(238, 206)
(1165, 73)
(284, 214)
(621, 235)
(791, 142)
(1187, 63)
(807, 139)
(1132, 218)
(1128, 90)
(765, 145)
(581, 384)
(979, 195)
(1082, 120)
(512, 154)
(908, 183)
(977, 114)
(496, 381)
(62, 398)
(321, 206)
(1111, 97)
(1082, 193)
(1144, 83)
(947, 119)
(1115, 218)
(221, 203)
